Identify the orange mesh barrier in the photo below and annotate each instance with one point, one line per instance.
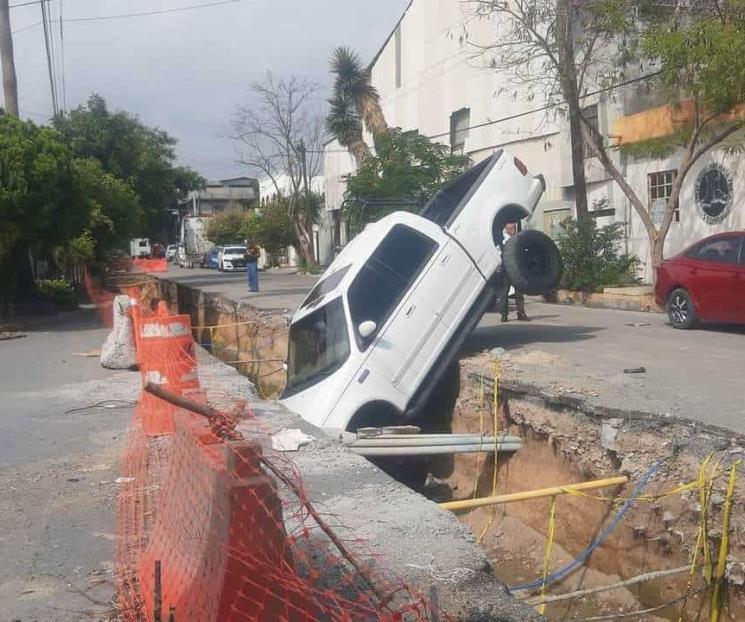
(101, 298)
(214, 526)
(140, 264)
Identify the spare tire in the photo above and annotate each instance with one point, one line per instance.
(532, 262)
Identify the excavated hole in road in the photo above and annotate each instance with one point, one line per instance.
(563, 445)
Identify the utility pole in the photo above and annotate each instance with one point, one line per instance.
(45, 22)
(10, 85)
(568, 77)
(308, 210)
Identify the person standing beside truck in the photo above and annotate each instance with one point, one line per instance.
(252, 266)
(509, 230)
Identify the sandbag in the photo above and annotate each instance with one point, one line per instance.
(118, 351)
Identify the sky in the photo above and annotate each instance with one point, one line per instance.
(188, 71)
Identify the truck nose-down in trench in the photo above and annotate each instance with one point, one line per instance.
(376, 334)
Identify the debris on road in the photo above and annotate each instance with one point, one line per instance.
(8, 335)
(290, 439)
(635, 370)
(95, 353)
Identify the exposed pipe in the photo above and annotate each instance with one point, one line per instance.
(418, 440)
(534, 494)
(434, 450)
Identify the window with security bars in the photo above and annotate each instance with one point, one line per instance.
(660, 188)
(591, 116)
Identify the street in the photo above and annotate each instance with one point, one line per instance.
(58, 468)
(695, 374)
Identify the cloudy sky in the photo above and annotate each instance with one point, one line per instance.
(187, 71)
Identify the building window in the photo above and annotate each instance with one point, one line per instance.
(397, 43)
(660, 188)
(459, 122)
(591, 116)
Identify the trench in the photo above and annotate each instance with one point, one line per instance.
(561, 445)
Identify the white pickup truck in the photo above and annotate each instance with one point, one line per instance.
(389, 316)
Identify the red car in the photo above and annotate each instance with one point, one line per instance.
(705, 282)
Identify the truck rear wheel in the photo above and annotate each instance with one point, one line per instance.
(532, 262)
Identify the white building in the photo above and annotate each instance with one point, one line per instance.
(431, 79)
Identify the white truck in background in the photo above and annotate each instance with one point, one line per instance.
(193, 238)
(139, 248)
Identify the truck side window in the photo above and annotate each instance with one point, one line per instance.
(386, 277)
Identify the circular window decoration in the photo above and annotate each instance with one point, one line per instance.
(714, 193)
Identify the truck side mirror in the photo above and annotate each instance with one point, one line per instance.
(367, 328)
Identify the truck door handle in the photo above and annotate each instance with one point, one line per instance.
(444, 259)
(410, 311)
(693, 272)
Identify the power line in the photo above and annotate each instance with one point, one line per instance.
(29, 3)
(552, 105)
(22, 28)
(144, 13)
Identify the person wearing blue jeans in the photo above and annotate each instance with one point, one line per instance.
(252, 267)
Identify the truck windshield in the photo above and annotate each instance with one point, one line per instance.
(234, 250)
(319, 345)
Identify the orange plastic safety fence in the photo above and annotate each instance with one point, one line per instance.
(101, 298)
(148, 265)
(214, 526)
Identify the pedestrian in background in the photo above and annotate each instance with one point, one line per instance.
(252, 266)
(504, 297)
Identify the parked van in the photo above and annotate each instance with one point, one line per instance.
(388, 318)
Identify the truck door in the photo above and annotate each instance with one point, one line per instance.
(385, 292)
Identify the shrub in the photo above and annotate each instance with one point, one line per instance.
(58, 291)
(591, 258)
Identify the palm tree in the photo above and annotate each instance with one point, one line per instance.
(344, 124)
(353, 84)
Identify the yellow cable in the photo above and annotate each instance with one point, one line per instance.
(700, 536)
(650, 498)
(547, 552)
(723, 546)
(481, 433)
(225, 325)
(495, 427)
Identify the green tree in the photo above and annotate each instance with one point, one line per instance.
(226, 227)
(113, 205)
(128, 149)
(590, 256)
(270, 228)
(355, 100)
(404, 173)
(41, 206)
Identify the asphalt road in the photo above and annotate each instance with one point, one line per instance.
(698, 374)
(57, 472)
(695, 374)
